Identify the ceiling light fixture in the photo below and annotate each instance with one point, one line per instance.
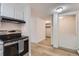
(48, 21)
(61, 17)
(60, 9)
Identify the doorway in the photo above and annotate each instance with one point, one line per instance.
(67, 32)
(48, 30)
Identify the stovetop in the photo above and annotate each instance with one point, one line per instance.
(19, 38)
(9, 37)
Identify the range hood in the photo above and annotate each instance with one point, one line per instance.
(9, 19)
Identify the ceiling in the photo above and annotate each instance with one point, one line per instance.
(44, 10)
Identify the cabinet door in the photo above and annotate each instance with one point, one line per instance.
(7, 9)
(19, 12)
(1, 50)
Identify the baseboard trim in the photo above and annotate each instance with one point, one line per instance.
(69, 50)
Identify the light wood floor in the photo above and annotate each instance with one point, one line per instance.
(44, 48)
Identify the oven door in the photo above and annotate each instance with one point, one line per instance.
(11, 49)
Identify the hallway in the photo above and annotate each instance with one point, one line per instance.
(44, 48)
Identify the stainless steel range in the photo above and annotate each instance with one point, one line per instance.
(12, 43)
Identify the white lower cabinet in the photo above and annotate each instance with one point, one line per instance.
(1, 50)
(1, 53)
(1, 47)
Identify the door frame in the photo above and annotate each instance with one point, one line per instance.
(72, 13)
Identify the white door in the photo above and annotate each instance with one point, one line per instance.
(67, 32)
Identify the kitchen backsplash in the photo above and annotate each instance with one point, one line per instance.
(10, 26)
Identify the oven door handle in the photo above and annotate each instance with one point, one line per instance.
(10, 43)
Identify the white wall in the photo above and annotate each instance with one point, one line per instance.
(67, 32)
(38, 29)
(41, 29)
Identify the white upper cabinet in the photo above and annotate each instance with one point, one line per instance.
(19, 11)
(14, 10)
(7, 10)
